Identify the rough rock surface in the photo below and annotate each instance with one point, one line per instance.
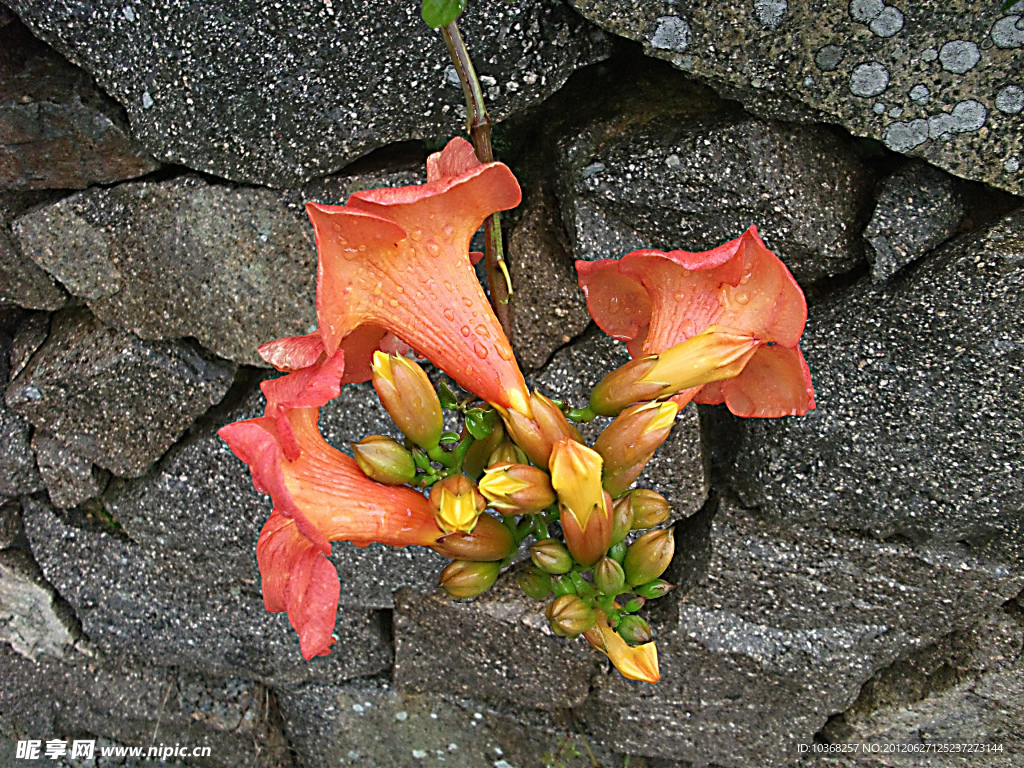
(343, 725)
(968, 688)
(200, 479)
(111, 398)
(918, 422)
(57, 129)
(919, 208)
(925, 79)
(31, 618)
(677, 469)
(138, 707)
(693, 184)
(497, 648)
(10, 522)
(788, 623)
(231, 267)
(135, 608)
(22, 282)
(18, 471)
(548, 307)
(69, 477)
(276, 94)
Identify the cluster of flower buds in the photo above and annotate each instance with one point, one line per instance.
(395, 270)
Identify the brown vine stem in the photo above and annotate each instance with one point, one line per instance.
(478, 123)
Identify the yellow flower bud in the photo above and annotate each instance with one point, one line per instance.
(649, 556)
(633, 662)
(490, 540)
(569, 616)
(536, 435)
(384, 460)
(649, 507)
(463, 578)
(457, 503)
(408, 395)
(517, 489)
(586, 509)
(629, 442)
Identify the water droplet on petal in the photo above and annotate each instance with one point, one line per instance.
(416, 234)
(362, 247)
(393, 302)
(449, 230)
(481, 350)
(380, 302)
(481, 330)
(449, 314)
(378, 289)
(447, 285)
(467, 301)
(504, 351)
(400, 289)
(433, 249)
(337, 228)
(745, 279)
(742, 297)
(613, 305)
(465, 330)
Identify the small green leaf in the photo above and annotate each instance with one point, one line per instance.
(441, 13)
(449, 437)
(479, 422)
(448, 399)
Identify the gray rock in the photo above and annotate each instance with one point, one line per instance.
(677, 470)
(134, 608)
(302, 94)
(69, 478)
(22, 282)
(18, 471)
(693, 184)
(57, 129)
(31, 618)
(497, 648)
(200, 479)
(374, 726)
(788, 624)
(10, 522)
(231, 267)
(113, 704)
(965, 689)
(548, 307)
(833, 62)
(111, 398)
(917, 429)
(919, 208)
(29, 335)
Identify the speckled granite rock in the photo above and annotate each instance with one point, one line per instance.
(57, 129)
(919, 208)
(69, 477)
(10, 522)
(548, 308)
(274, 94)
(968, 688)
(200, 479)
(788, 623)
(22, 282)
(138, 707)
(111, 398)
(496, 648)
(917, 430)
(32, 619)
(374, 726)
(937, 81)
(693, 184)
(677, 470)
(136, 609)
(18, 471)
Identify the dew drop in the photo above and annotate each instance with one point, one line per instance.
(447, 285)
(378, 289)
(613, 305)
(504, 352)
(362, 247)
(416, 234)
(380, 302)
(467, 301)
(393, 302)
(481, 330)
(419, 294)
(337, 228)
(481, 350)
(465, 331)
(742, 297)
(400, 289)
(680, 295)
(449, 314)
(745, 279)
(449, 230)
(433, 249)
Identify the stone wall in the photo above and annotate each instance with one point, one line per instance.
(854, 576)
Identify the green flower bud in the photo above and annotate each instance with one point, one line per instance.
(562, 585)
(622, 519)
(407, 394)
(466, 578)
(649, 556)
(652, 590)
(634, 630)
(609, 576)
(507, 453)
(649, 508)
(534, 582)
(384, 460)
(569, 616)
(551, 556)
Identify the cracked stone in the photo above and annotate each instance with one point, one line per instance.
(31, 619)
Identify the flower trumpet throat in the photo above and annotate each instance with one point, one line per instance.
(586, 510)
(716, 354)
(409, 397)
(457, 504)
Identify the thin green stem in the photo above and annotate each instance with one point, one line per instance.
(478, 123)
(442, 457)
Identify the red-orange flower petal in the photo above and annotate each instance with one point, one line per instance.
(319, 496)
(654, 300)
(398, 259)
